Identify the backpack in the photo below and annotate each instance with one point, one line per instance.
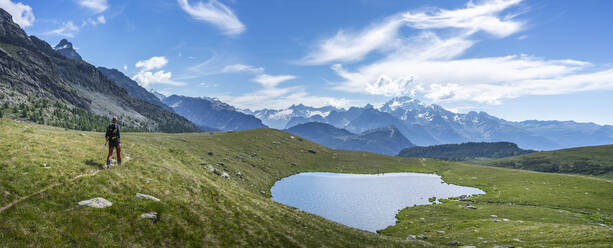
(111, 131)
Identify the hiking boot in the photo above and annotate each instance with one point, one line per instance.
(119, 162)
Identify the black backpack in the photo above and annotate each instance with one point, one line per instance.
(111, 131)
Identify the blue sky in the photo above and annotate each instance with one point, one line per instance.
(514, 59)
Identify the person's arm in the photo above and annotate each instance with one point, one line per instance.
(118, 134)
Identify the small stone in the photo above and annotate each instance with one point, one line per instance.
(440, 232)
(411, 237)
(225, 175)
(504, 246)
(494, 216)
(210, 153)
(469, 206)
(6, 194)
(518, 240)
(262, 192)
(463, 197)
(222, 164)
(139, 195)
(97, 202)
(312, 151)
(453, 243)
(505, 220)
(292, 137)
(468, 246)
(239, 174)
(602, 225)
(421, 236)
(495, 220)
(150, 215)
(293, 164)
(211, 168)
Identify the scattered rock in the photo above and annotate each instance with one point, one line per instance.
(469, 206)
(210, 153)
(441, 232)
(293, 164)
(494, 216)
(222, 164)
(602, 225)
(505, 220)
(468, 246)
(225, 175)
(421, 236)
(292, 137)
(262, 192)
(139, 195)
(411, 237)
(254, 155)
(6, 194)
(454, 243)
(97, 202)
(239, 174)
(312, 151)
(211, 168)
(463, 197)
(518, 240)
(150, 215)
(504, 246)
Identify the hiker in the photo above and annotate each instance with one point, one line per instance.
(112, 137)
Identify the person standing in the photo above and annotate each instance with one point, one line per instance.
(113, 139)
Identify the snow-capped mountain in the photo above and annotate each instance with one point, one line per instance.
(280, 118)
(432, 124)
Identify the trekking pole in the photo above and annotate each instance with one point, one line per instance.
(104, 154)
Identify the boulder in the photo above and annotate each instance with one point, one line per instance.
(421, 236)
(440, 232)
(411, 237)
(453, 243)
(469, 206)
(312, 151)
(139, 195)
(239, 174)
(210, 153)
(494, 216)
(97, 202)
(225, 175)
(150, 215)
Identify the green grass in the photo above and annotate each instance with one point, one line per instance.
(591, 160)
(201, 209)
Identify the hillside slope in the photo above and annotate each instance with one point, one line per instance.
(52, 89)
(387, 140)
(591, 160)
(465, 151)
(46, 171)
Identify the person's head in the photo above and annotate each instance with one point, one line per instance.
(114, 119)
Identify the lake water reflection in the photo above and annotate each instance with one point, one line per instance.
(365, 201)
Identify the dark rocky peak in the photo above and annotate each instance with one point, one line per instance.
(64, 44)
(66, 49)
(10, 32)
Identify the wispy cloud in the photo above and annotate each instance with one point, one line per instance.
(241, 68)
(270, 81)
(146, 76)
(22, 13)
(98, 6)
(215, 13)
(430, 63)
(67, 29)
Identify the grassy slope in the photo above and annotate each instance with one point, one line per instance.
(591, 160)
(198, 208)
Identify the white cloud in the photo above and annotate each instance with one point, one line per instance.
(155, 62)
(146, 76)
(216, 13)
(22, 13)
(97, 6)
(282, 98)
(67, 29)
(125, 67)
(429, 64)
(269, 81)
(99, 20)
(384, 36)
(241, 68)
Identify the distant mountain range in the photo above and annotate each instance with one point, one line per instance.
(212, 113)
(427, 125)
(465, 151)
(56, 87)
(386, 140)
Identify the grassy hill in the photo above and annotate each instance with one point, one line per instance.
(201, 209)
(465, 151)
(592, 160)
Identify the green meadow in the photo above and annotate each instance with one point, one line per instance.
(45, 171)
